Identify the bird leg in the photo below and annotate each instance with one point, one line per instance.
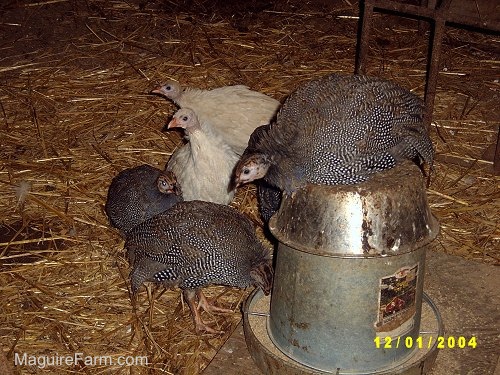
(189, 296)
(206, 305)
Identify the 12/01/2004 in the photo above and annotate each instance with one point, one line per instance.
(422, 342)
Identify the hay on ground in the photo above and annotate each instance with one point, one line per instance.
(75, 110)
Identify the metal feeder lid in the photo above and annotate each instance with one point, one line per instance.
(386, 215)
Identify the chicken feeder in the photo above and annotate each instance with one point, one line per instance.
(348, 288)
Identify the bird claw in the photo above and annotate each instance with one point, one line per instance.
(206, 305)
(201, 327)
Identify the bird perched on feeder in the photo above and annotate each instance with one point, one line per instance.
(138, 193)
(204, 165)
(232, 111)
(338, 129)
(196, 244)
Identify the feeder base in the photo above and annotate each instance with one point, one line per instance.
(271, 360)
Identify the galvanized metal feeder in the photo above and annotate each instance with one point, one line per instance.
(348, 288)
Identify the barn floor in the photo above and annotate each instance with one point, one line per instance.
(76, 108)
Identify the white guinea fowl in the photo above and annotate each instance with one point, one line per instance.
(204, 165)
(232, 111)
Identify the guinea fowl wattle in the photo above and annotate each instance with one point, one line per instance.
(339, 129)
(233, 112)
(196, 244)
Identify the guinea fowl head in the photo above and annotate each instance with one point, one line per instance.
(171, 90)
(186, 119)
(250, 167)
(167, 183)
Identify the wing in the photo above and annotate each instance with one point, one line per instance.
(234, 112)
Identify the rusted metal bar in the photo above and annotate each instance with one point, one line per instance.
(439, 15)
(431, 12)
(364, 37)
(433, 68)
(409, 9)
(496, 158)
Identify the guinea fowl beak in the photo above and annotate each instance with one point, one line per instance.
(173, 124)
(158, 91)
(233, 184)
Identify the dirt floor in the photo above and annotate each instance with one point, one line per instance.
(75, 110)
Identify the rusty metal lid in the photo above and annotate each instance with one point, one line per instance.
(387, 215)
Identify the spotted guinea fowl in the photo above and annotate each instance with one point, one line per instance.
(338, 129)
(138, 193)
(268, 196)
(204, 165)
(232, 111)
(196, 244)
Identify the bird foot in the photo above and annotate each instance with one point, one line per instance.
(206, 305)
(201, 327)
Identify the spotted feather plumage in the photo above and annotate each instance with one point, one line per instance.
(196, 244)
(340, 129)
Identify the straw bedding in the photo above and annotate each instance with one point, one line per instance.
(75, 110)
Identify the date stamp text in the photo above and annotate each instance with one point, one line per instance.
(425, 342)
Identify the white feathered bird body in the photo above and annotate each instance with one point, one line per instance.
(233, 112)
(204, 165)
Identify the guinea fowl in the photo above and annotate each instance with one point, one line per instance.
(232, 111)
(338, 129)
(268, 196)
(204, 165)
(138, 193)
(196, 244)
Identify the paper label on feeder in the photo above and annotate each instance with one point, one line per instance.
(397, 302)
